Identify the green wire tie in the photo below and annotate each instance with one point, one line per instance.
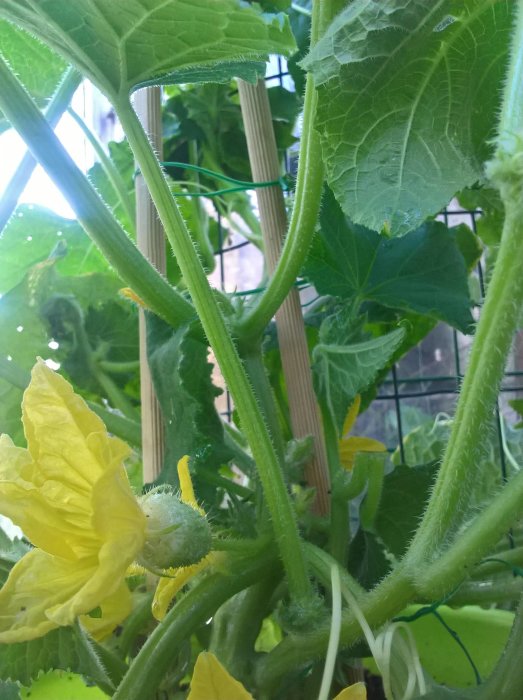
(433, 609)
(240, 185)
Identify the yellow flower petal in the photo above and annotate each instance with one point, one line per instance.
(357, 691)
(70, 494)
(67, 441)
(352, 415)
(169, 586)
(186, 487)
(115, 608)
(211, 681)
(36, 584)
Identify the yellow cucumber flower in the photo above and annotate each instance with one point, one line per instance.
(69, 493)
(348, 447)
(211, 681)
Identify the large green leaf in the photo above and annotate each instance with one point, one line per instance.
(34, 234)
(182, 378)
(123, 44)
(39, 69)
(409, 92)
(342, 371)
(423, 272)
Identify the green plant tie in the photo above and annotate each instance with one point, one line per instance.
(239, 185)
(516, 570)
(432, 609)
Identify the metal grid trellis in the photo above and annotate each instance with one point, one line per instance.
(423, 383)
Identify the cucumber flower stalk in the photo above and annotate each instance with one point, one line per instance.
(70, 495)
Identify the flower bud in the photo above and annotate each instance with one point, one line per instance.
(176, 533)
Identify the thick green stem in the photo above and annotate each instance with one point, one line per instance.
(191, 612)
(92, 213)
(339, 530)
(506, 681)
(309, 182)
(499, 318)
(218, 335)
(385, 601)
(447, 571)
(110, 169)
(22, 174)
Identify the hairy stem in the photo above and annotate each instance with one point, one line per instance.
(110, 169)
(309, 181)
(506, 681)
(293, 653)
(191, 612)
(22, 174)
(218, 335)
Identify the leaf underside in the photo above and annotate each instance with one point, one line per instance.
(124, 44)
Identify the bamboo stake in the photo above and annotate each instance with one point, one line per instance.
(304, 412)
(151, 242)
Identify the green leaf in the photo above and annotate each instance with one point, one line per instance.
(124, 44)
(39, 69)
(426, 444)
(368, 562)
(484, 634)
(183, 383)
(121, 155)
(10, 552)
(404, 497)
(424, 272)
(408, 101)
(34, 234)
(517, 405)
(60, 685)
(9, 691)
(342, 371)
(65, 648)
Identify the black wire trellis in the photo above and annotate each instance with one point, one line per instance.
(436, 383)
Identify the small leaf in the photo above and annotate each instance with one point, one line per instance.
(34, 234)
(406, 106)
(342, 371)
(182, 378)
(211, 681)
(423, 272)
(9, 691)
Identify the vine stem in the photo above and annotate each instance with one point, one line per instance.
(57, 106)
(192, 611)
(92, 213)
(309, 182)
(218, 335)
(499, 317)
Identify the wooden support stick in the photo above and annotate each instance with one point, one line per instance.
(304, 412)
(151, 242)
